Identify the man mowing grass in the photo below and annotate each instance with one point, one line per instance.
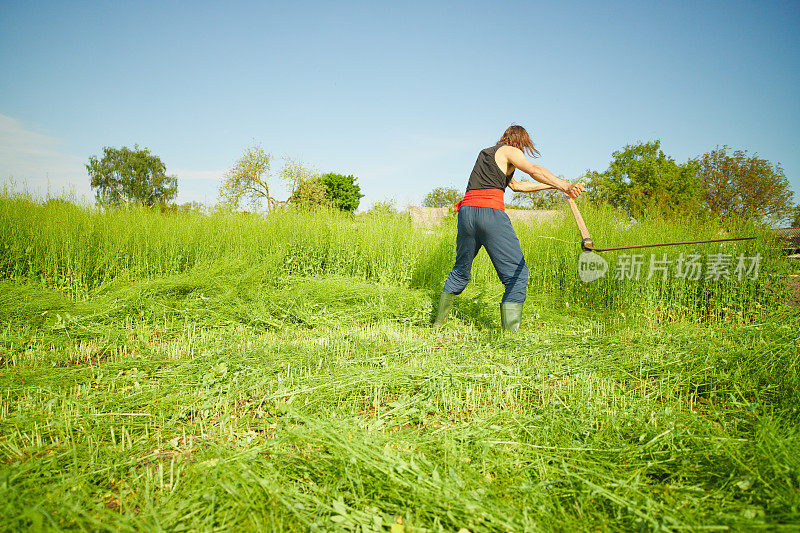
(482, 222)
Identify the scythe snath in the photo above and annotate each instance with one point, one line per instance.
(588, 245)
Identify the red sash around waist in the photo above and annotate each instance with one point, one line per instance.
(492, 198)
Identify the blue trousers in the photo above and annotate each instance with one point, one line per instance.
(489, 228)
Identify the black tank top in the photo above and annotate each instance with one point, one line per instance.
(486, 174)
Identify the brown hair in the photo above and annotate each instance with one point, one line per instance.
(517, 137)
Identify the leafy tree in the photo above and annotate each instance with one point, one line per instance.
(796, 219)
(641, 179)
(248, 179)
(127, 175)
(342, 191)
(310, 192)
(738, 185)
(294, 172)
(442, 197)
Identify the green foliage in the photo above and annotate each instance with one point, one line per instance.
(642, 180)
(796, 219)
(125, 176)
(342, 191)
(192, 207)
(742, 186)
(547, 199)
(166, 209)
(233, 372)
(387, 207)
(294, 172)
(248, 179)
(442, 197)
(311, 193)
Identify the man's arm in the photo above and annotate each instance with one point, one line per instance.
(540, 174)
(527, 186)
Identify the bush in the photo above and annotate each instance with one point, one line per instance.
(310, 192)
(387, 206)
(342, 191)
(192, 207)
(442, 197)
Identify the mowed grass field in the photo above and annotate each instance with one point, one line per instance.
(228, 372)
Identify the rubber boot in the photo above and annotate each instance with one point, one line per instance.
(511, 315)
(445, 303)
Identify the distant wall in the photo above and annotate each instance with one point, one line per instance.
(432, 216)
(426, 216)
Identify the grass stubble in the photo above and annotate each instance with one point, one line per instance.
(226, 372)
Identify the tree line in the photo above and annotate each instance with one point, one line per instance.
(642, 179)
(125, 176)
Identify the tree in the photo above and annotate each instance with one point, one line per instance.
(442, 197)
(127, 175)
(642, 179)
(748, 187)
(796, 218)
(310, 192)
(342, 191)
(248, 179)
(294, 172)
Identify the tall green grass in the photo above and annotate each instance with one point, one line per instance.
(80, 250)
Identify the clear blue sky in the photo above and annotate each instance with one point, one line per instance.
(401, 94)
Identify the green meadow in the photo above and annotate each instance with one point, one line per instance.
(224, 371)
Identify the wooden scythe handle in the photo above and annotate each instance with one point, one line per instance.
(586, 239)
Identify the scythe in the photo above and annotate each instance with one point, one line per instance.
(588, 245)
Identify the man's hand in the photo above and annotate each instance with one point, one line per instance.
(575, 190)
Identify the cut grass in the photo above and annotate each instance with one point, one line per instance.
(164, 405)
